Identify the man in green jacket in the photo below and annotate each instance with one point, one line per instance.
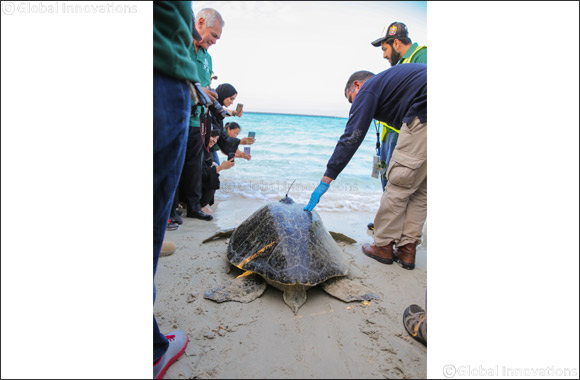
(397, 46)
(397, 49)
(209, 23)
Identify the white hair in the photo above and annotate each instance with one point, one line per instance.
(209, 15)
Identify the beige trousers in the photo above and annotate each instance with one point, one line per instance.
(403, 207)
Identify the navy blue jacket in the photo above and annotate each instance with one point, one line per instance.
(394, 96)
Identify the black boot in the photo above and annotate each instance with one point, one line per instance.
(199, 215)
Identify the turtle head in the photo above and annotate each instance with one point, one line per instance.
(287, 200)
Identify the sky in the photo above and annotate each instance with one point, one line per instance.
(295, 57)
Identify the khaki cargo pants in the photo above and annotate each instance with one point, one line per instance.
(403, 207)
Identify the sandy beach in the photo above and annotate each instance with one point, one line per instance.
(328, 338)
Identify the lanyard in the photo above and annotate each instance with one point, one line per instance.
(378, 146)
(203, 130)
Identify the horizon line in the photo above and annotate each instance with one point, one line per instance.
(294, 114)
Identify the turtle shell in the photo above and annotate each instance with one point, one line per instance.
(283, 243)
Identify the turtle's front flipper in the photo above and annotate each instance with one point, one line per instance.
(242, 289)
(348, 290)
(294, 296)
(341, 237)
(220, 234)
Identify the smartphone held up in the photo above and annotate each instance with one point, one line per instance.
(239, 109)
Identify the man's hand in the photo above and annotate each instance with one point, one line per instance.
(316, 194)
(212, 95)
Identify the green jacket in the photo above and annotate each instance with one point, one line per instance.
(172, 36)
(415, 54)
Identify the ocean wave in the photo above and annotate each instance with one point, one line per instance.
(339, 198)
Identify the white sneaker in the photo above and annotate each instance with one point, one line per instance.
(178, 340)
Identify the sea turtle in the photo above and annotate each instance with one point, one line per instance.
(291, 249)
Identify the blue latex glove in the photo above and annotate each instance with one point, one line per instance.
(316, 194)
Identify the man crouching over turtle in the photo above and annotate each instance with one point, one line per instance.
(398, 97)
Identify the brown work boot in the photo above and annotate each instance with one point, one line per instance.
(405, 255)
(381, 254)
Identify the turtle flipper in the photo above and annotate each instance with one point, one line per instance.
(219, 235)
(243, 289)
(295, 296)
(348, 290)
(341, 237)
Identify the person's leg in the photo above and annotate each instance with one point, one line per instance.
(206, 196)
(416, 216)
(383, 153)
(171, 109)
(386, 151)
(406, 173)
(192, 171)
(173, 215)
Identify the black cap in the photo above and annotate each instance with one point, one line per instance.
(395, 30)
(194, 32)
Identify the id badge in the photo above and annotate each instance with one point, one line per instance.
(375, 172)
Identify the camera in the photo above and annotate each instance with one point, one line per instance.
(217, 109)
(198, 96)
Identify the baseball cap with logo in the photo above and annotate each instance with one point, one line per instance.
(395, 30)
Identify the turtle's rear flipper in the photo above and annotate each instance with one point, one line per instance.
(348, 290)
(295, 296)
(219, 234)
(243, 289)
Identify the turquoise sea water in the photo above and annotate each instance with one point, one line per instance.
(297, 147)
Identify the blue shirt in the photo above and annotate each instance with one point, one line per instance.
(394, 96)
